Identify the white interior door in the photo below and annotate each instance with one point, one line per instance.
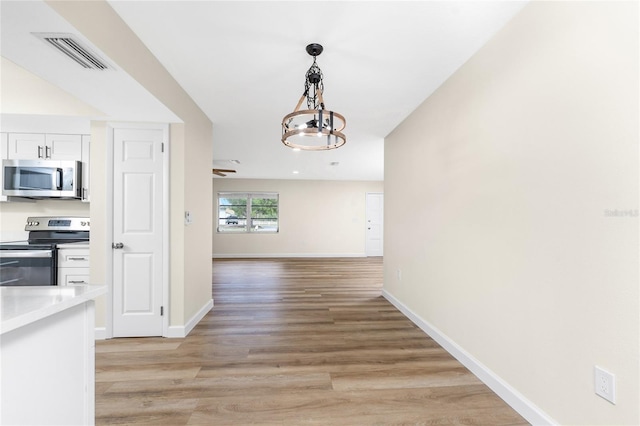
(137, 232)
(375, 218)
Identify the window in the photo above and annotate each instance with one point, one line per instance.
(247, 212)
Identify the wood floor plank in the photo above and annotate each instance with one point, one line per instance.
(145, 411)
(402, 378)
(126, 372)
(443, 405)
(249, 383)
(221, 370)
(293, 342)
(133, 345)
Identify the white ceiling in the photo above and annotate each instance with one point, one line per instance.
(243, 62)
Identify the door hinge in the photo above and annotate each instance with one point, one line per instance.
(161, 311)
(162, 147)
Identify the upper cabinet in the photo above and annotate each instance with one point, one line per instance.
(34, 146)
(48, 146)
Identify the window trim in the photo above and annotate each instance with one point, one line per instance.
(249, 195)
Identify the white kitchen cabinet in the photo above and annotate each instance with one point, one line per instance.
(26, 146)
(76, 276)
(73, 264)
(64, 147)
(39, 146)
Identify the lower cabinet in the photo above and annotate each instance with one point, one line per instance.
(73, 276)
(73, 266)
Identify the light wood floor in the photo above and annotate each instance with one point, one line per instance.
(291, 342)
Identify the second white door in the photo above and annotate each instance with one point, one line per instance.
(137, 232)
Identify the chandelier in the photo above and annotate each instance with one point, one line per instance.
(314, 128)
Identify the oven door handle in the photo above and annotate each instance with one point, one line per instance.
(25, 254)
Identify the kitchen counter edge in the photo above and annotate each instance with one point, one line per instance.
(22, 306)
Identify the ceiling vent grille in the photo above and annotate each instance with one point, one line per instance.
(74, 49)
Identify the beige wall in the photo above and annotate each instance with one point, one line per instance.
(512, 173)
(99, 245)
(191, 144)
(317, 218)
(25, 93)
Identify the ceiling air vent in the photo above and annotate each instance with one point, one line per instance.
(74, 49)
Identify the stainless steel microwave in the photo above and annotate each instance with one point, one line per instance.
(42, 178)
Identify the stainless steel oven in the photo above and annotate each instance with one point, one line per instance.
(34, 262)
(21, 266)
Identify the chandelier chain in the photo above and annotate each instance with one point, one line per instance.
(313, 82)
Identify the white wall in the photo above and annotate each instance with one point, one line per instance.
(42, 122)
(511, 173)
(317, 218)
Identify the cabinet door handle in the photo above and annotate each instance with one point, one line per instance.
(117, 245)
(39, 151)
(77, 258)
(77, 282)
(47, 152)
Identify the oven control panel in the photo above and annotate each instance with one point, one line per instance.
(55, 223)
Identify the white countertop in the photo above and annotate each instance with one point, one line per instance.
(20, 306)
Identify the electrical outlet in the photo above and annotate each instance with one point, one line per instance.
(605, 383)
(188, 218)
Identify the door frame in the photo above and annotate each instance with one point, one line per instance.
(111, 126)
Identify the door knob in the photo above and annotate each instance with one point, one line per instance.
(117, 245)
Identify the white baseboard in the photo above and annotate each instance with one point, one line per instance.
(101, 333)
(183, 330)
(283, 255)
(515, 399)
